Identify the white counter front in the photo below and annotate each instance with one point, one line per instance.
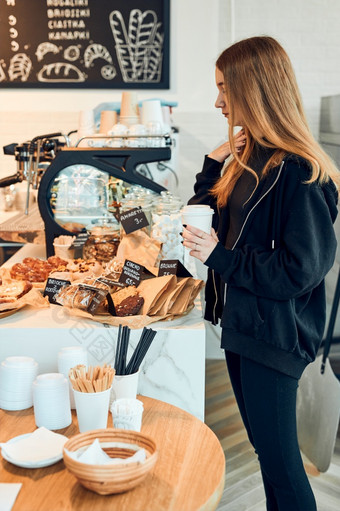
(173, 369)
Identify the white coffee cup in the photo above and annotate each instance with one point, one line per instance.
(124, 386)
(199, 216)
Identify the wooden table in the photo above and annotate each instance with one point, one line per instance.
(188, 475)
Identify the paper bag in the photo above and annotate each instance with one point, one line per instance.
(140, 248)
(317, 412)
(155, 291)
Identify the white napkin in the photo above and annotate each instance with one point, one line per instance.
(8, 494)
(94, 455)
(42, 444)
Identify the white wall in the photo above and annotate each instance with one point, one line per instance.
(200, 29)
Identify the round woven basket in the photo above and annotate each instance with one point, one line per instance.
(117, 443)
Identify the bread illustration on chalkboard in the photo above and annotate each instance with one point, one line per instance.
(2, 72)
(20, 67)
(60, 72)
(139, 46)
(44, 48)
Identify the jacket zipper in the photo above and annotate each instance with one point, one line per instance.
(237, 240)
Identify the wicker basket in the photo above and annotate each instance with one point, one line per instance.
(109, 479)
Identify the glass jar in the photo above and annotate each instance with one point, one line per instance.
(102, 243)
(167, 226)
(132, 201)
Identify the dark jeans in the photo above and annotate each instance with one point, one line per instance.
(267, 402)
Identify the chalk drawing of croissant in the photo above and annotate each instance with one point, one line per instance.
(139, 46)
(60, 72)
(96, 51)
(44, 48)
(20, 67)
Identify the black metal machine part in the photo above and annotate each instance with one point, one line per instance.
(120, 163)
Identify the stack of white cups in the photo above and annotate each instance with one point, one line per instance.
(152, 118)
(70, 357)
(17, 375)
(51, 401)
(129, 113)
(86, 124)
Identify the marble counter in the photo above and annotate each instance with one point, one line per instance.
(172, 371)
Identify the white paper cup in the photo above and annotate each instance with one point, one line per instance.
(199, 216)
(124, 386)
(127, 414)
(86, 125)
(92, 409)
(69, 357)
(152, 111)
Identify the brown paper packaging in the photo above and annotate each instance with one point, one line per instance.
(140, 248)
(155, 292)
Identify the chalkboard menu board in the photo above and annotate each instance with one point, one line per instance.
(108, 44)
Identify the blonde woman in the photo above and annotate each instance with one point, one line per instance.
(274, 192)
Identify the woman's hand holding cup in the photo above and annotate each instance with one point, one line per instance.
(200, 243)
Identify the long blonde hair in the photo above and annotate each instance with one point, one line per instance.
(260, 82)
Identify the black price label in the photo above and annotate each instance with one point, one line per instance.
(78, 244)
(131, 274)
(172, 267)
(133, 220)
(52, 288)
(98, 298)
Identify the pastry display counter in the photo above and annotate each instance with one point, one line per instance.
(173, 370)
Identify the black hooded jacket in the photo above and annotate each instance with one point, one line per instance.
(272, 307)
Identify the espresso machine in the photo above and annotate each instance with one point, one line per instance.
(77, 185)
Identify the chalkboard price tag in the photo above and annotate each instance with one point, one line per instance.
(131, 274)
(53, 286)
(133, 220)
(78, 244)
(172, 267)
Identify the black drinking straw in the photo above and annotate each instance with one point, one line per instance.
(125, 344)
(138, 355)
(149, 336)
(140, 351)
(118, 349)
(135, 353)
(121, 349)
